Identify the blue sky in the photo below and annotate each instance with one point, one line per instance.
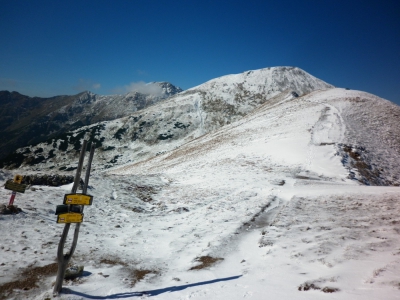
(52, 48)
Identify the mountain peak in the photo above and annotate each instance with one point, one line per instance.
(167, 124)
(161, 89)
(269, 81)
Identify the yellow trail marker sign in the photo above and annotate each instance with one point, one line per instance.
(70, 218)
(18, 179)
(16, 187)
(78, 199)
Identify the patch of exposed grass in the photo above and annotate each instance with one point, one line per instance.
(329, 289)
(308, 286)
(370, 174)
(206, 261)
(143, 192)
(138, 275)
(28, 279)
(311, 286)
(113, 261)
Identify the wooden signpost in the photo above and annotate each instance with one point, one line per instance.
(72, 212)
(78, 199)
(70, 217)
(15, 186)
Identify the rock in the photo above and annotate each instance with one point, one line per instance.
(73, 272)
(50, 180)
(181, 210)
(9, 209)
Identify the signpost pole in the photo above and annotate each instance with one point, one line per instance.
(85, 186)
(16, 186)
(12, 198)
(88, 170)
(63, 260)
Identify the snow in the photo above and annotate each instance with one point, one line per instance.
(269, 194)
(171, 123)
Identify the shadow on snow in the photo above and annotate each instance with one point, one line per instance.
(148, 293)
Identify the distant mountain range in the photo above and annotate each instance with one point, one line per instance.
(132, 128)
(146, 130)
(29, 120)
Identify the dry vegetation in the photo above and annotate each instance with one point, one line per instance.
(28, 279)
(135, 275)
(206, 261)
(311, 286)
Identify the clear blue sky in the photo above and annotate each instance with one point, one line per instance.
(51, 48)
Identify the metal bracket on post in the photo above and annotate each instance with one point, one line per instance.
(63, 259)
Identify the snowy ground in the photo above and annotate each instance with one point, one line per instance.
(268, 195)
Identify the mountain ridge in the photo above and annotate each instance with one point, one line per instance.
(175, 121)
(39, 119)
(370, 156)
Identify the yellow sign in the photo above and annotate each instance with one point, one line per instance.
(70, 218)
(18, 179)
(78, 199)
(11, 185)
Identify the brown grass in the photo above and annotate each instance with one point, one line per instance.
(144, 193)
(206, 261)
(28, 279)
(368, 172)
(113, 261)
(138, 275)
(312, 286)
(135, 274)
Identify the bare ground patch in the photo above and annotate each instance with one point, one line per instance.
(28, 279)
(113, 261)
(135, 274)
(139, 274)
(206, 261)
(311, 286)
(357, 157)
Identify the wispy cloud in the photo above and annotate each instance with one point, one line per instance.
(141, 87)
(8, 83)
(86, 84)
(96, 86)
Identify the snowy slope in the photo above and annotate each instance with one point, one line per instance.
(26, 121)
(171, 123)
(372, 128)
(270, 195)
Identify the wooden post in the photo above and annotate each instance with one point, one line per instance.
(63, 259)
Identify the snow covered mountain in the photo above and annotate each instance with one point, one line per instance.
(171, 123)
(356, 130)
(278, 202)
(26, 121)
